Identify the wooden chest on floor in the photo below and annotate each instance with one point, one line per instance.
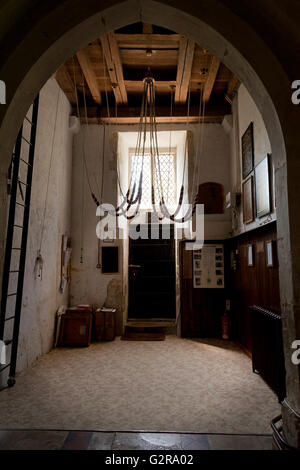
(76, 328)
(104, 327)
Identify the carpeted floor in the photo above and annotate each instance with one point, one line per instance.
(203, 386)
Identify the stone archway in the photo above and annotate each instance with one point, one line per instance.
(36, 47)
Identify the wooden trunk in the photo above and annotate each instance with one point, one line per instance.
(76, 328)
(104, 325)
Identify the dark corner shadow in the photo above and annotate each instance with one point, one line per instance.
(217, 343)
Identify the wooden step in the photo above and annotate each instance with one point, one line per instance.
(142, 332)
(139, 336)
(151, 323)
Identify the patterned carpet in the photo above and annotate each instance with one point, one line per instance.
(203, 386)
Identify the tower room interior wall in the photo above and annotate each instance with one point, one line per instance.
(88, 284)
(41, 296)
(71, 211)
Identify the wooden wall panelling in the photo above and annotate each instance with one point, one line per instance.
(201, 309)
(257, 285)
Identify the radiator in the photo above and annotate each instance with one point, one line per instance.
(267, 349)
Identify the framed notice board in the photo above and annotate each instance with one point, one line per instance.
(262, 187)
(208, 267)
(248, 200)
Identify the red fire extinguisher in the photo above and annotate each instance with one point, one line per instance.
(226, 322)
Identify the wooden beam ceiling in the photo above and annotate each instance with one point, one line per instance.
(233, 86)
(117, 63)
(148, 41)
(147, 28)
(211, 78)
(131, 115)
(184, 69)
(114, 66)
(89, 75)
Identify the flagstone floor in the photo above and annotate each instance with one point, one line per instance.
(85, 440)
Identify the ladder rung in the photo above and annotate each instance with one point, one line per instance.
(27, 141)
(28, 120)
(4, 367)
(8, 342)
(22, 182)
(9, 318)
(14, 271)
(18, 226)
(11, 295)
(18, 249)
(20, 204)
(24, 161)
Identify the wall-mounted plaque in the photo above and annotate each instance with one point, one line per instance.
(248, 151)
(208, 267)
(248, 201)
(262, 187)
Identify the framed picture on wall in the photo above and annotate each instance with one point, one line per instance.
(250, 255)
(248, 201)
(248, 151)
(262, 187)
(270, 253)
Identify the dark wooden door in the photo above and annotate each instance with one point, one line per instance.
(152, 275)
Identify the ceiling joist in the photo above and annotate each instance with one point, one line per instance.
(211, 78)
(147, 28)
(131, 115)
(114, 66)
(233, 86)
(148, 41)
(89, 75)
(184, 69)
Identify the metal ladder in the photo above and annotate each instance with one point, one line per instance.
(15, 256)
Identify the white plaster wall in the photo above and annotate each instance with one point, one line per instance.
(41, 298)
(245, 111)
(88, 284)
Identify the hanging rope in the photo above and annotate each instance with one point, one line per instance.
(38, 267)
(133, 197)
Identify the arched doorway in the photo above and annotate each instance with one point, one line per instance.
(51, 41)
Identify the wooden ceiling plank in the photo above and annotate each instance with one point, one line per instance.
(211, 78)
(187, 71)
(110, 67)
(147, 41)
(147, 28)
(114, 67)
(233, 86)
(89, 75)
(180, 66)
(118, 67)
(128, 115)
(184, 69)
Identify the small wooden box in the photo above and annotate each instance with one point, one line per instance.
(76, 329)
(104, 325)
